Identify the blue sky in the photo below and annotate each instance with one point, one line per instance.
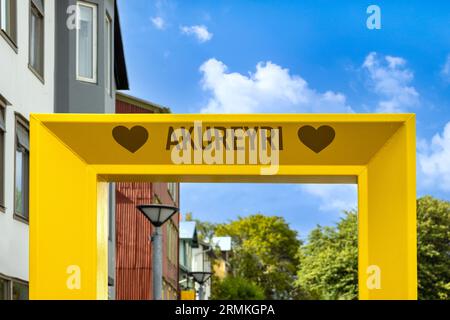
(295, 56)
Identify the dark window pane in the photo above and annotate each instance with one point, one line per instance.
(2, 117)
(2, 168)
(26, 183)
(19, 186)
(36, 41)
(8, 18)
(86, 42)
(39, 4)
(22, 172)
(23, 136)
(4, 286)
(2, 155)
(20, 291)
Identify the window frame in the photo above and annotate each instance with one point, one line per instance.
(11, 39)
(94, 7)
(10, 286)
(19, 119)
(172, 188)
(40, 12)
(2, 158)
(20, 282)
(171, 245)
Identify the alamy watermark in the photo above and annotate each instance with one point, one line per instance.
(373, 277)
(198, 144)
(374, 20)
(74, 277)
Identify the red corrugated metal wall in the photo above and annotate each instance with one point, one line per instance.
(123, 107)
(133, 245)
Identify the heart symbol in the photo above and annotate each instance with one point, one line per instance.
(316, 140)
(131, 139)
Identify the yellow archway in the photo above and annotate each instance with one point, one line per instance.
(74, 156)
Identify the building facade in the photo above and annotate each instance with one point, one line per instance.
(188, 242)
(133, 230)
(62, 56)
(202, 261)
(223, 251)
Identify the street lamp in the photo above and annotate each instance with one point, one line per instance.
(157, 214)
(201, 278)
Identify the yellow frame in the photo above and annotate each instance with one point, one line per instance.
(73, 157)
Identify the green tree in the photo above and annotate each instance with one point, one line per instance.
(264, 252)
(433, 248)
(328, 267)
(205, 230)
(328, 261)
(232, 288)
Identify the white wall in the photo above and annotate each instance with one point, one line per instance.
(198, 265)
(26, 94)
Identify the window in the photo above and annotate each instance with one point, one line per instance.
(2, 155)
(109, 44)
(87, 42)
(4, 289)
(22, 169)
(171, 242)
(174, 245)
(20, 291)
(172, 187)
(37, 37)
(169, 293)
(8, 19)
(182, 253)
(13, 289)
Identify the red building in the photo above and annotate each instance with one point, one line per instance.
(133, 230)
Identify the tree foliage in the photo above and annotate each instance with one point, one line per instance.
(267, 255)
(205, 230)
(433, 248)
(328, 262)
(264, 252)
(236, 288)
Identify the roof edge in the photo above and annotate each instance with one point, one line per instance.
(141, 103)
(120, 66)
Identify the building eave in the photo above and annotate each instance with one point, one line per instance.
(120, 66)
(147, 105)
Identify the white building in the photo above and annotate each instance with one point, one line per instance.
(36, 47)
(222, 267)
(210, 258)
(26, 86)
(201, 262)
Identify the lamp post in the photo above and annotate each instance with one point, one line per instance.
(201, 278)
(158, 215)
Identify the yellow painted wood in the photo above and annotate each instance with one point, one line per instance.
(388, 214)
(65, 211)
(188, 295)
(73, 156)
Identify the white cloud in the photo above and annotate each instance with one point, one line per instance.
(434, 160)
(446, 69)
(270, 89)
(200, 32)
(334, 197)
(391, 80)
(159, 23)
